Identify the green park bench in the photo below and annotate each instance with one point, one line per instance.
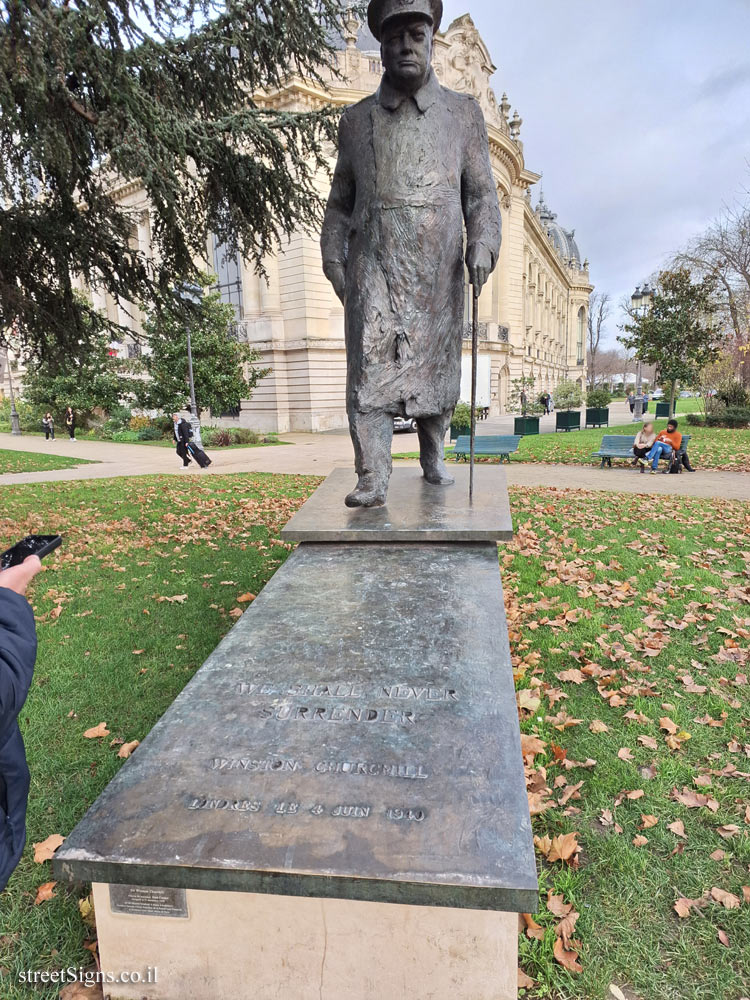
(503, 445)
(621, 446)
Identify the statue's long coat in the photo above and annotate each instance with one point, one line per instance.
(410, 173)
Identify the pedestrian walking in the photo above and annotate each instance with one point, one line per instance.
(544, 400)
(17, 658)
(70, 422)
(645, 402)
(631, 402)
(48, 426)
(550, 403)
(182, 433)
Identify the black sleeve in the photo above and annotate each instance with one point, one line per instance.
(17, 654)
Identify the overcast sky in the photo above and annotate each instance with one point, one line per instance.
(638, 113)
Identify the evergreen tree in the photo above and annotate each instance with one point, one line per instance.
(83, 375)
(223, 369)
(103, 90)
(676, 333)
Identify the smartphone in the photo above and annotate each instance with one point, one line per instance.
(32, 545)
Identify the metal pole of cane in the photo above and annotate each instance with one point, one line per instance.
(474, 362)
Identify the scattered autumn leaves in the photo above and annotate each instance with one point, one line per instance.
(623, 664)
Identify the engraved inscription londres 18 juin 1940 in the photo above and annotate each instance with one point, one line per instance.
(301, 702)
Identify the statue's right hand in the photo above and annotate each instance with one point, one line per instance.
(336, 274)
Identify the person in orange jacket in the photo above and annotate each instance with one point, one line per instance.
(667, 443)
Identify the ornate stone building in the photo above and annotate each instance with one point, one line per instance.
(532, 312)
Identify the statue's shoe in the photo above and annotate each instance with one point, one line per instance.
(438, 475)
(366, 495)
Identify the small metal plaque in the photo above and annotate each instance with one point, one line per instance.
(148, 900)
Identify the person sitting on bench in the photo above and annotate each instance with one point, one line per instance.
(667, 443)
(644, 441)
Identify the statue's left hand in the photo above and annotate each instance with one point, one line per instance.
(479, 263)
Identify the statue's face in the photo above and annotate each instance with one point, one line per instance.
(406, 50)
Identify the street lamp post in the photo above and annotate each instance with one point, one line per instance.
(640, 300)
(192, 296)
(15, 423)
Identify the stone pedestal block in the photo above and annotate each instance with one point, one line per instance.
(334, 807)
(237, 946)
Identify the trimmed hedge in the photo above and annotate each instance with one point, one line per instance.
(733, 417)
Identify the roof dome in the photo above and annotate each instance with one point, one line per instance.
(563, 239)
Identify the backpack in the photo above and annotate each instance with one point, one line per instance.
(675, 464)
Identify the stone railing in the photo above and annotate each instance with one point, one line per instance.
(503, 332)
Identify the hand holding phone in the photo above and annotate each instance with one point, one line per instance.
(32, 545)
(17, 578)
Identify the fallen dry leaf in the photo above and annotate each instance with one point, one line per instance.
(640, 840)
(245, 598)
(528, 700)
(648, 821)
(531, 745)
(678, 828)
(44, 892)
(96, 731)
(597, 726)
(624, 754)
(557, 905)
(44, 849)
(81, 991)
(573, 675)
(727, 899)
(728, 831)
(524, 981)
(86, 909)
(667, 724)
(127, 748)
(533, 929)
(566, 927)
(723, 937)
(564, 847)
(567, 958)
(717, 855)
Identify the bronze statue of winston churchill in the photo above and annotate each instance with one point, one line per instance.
(413, 169)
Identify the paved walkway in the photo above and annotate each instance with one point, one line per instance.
(318, 454)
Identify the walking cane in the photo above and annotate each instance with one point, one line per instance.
(474, 361)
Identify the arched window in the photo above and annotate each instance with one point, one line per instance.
(581, 334)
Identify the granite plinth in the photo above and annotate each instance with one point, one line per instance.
(354, 736)
(415, 511)
(248, 946)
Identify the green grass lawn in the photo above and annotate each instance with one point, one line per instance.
(638, 619)
(582, 579)
(691, 405)
(29, 461)
(710, 447)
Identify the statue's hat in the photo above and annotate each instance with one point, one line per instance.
(380, 11)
